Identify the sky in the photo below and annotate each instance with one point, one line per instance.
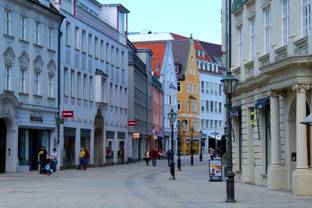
(202, 18)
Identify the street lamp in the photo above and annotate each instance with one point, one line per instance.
(192, 158)
(179, 142)
(201, 147)
(172, 117)
(229, 83)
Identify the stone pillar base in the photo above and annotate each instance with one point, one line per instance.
(302, 182)
(277, 178)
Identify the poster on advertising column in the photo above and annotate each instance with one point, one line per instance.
(215, 170)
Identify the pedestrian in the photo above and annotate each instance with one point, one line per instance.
(147, 157)
(82, 159)
(170, 157)
(153, 155)
(42, 155)
(86, 157)
(211, 153)
(47, 167)
(53, 158)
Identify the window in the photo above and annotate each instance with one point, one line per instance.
(202, 105)
(122, 59)
(220, 108)
(179, 86)
(7, 78)
(207, 87)
(216, 107)
(191, 88)
(239, 45)
(72, 83)
(187, 105)
(285, 21)
(37, 38)
(103, 88)
(83, 41)
(194, 104)
(90, 45)
(107, 53)
(202, 123)
(50, 86)
(215, 124)
(207, 105)
(50, 34)
(169, 96)
(117, 57)
(68, 33)
(79, 91)
(23, 28)
(77, 41)
(267, 29)
(23, 80)
(252, 37)
(202, 86)
(186, 87)
(207, 124)
(90, 88)
(96, 47)
(211, 88)
(102, 50)
(179, 105)
(306, 15)
(7, 22)
(66, 81)
(111, 100)
(37, 83)
(211, 106)
(112, 55)
(220, 89)
(211, 124)
(85, 87)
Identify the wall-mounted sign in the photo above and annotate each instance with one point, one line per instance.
(131, 123)
(136, 135)
(36, 119)
(67, 114)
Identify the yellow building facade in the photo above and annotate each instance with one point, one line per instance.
(188, 96)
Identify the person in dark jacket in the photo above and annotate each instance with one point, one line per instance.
(153, 155)
(42, 155)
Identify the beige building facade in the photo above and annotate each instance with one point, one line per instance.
(271, 56)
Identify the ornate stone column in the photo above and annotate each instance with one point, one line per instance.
(302, 177)
(277, 174)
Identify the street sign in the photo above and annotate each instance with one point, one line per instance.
(136, 135)
(131, 123)
(215, 170)
(67, 114)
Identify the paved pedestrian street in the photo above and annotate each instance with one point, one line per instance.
(134, 186)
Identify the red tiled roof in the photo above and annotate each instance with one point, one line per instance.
(212, 49)
(158, 48)
(197, 47)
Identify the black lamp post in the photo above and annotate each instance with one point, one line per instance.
(201, 147)
(229, 83)
(192, 157)
(172, 117)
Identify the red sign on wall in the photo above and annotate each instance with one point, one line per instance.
(67, 114)
(131, 123)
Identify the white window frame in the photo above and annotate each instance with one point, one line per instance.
(37, 83)
(50, 86)
(252, 37)
(23, 28)
(50, 37)
(239, 45)
(7, 78)
(77, 38)
(7, 22)
(37, 31)
(306, 17)
(285, 21)
(267, 29)
(23, 80)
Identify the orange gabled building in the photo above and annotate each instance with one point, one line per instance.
(188, 93)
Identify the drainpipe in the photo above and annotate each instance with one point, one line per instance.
(59, 84)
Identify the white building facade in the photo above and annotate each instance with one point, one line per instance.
(271, 52)
(28, 82)
(211, 107)
(94, 63)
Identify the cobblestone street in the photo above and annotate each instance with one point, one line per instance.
(132, 186)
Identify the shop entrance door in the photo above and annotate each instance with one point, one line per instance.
(34, 149)
(3, 133)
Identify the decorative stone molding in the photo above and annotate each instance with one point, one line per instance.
(38, 63)
(24, 60)
(51, 68)
(300, 88)
(9, 56)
